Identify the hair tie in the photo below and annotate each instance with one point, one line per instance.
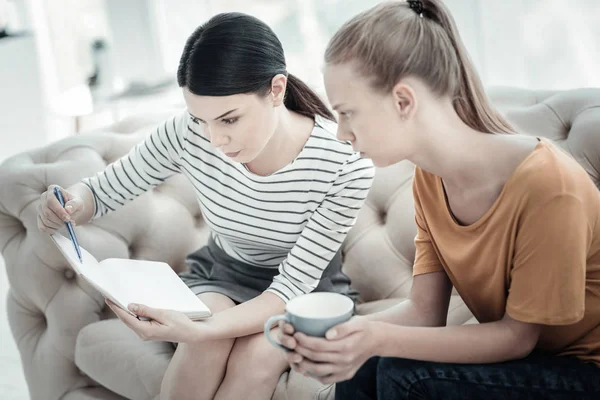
(416, 6)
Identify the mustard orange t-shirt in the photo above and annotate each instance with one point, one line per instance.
(535, 254)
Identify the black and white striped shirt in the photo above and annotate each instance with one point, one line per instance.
(295, 219)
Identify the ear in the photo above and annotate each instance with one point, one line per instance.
(405, 100)
(278, 85)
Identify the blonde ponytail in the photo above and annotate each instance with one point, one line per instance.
(471, 102)
(391, 41)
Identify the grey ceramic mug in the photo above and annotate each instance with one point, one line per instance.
(313, 314)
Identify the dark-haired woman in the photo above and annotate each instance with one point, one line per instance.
(276, 187)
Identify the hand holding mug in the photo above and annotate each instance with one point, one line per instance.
(337, 358)
(313, 314)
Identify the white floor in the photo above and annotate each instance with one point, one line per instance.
(12, 381)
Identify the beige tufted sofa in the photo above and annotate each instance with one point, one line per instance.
(72, 348)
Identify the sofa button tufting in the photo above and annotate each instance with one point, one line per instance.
(69, 274)
(383, 217)
(43, 321)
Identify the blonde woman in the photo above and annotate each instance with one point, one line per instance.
(511, 221)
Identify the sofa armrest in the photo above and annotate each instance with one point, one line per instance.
(48, 304)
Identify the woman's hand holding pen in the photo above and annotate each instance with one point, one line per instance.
(163, 325)
(52, 216)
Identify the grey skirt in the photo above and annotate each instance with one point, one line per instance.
(213, 270)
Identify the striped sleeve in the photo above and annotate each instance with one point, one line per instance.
(146, 165)
(322, 237)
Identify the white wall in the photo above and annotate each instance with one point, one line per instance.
(537, 44)
(549, 44)
(22, 107)
(135, 40)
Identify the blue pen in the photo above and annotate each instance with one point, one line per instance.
(69, 225)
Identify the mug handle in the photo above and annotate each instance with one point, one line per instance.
(269, 324)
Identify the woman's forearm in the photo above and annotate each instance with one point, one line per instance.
(481, 343)
(407, 313)
(244, 319)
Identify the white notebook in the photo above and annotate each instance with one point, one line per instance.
(125, 281)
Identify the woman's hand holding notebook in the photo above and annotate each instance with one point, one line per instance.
(126, 281)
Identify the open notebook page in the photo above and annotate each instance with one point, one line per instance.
(154, 284)
(90, 268)
(125, 281)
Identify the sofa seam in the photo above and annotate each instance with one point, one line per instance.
(584, 110)
(562, 122)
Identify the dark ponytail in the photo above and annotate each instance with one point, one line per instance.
(302, 99)
(235, 53)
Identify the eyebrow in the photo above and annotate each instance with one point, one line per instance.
(219, 117)
(335, 107)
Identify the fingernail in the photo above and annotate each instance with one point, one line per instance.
(297, 359)
(133, 307)
(331, 334)
(69, 208)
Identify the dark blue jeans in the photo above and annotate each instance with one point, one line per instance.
(537, 376)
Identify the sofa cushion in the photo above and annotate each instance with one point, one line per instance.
(113, 355)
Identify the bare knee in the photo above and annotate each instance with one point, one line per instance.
(254, 359)
(214, 353)
(197, 370)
